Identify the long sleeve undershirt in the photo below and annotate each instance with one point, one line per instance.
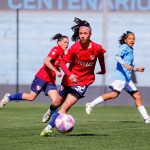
(119, 59)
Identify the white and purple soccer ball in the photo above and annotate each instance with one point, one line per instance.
(64, 123)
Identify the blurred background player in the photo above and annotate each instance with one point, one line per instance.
(45, 78)
(122, 77)
(82, 57)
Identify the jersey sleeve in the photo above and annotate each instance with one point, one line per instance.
(102, 50)
(119, 60)
(53, 53)
(64, 68)
(122, 51)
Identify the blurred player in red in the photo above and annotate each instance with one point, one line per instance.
(82, 57)
(45, 78)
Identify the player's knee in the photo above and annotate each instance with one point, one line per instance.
(137, 95)
(56, 103)
(114, 95)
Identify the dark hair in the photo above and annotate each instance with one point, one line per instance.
(58, 37)
(76, 27)
(124, 36)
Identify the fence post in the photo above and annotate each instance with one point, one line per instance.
(17, 51)
(105, 37)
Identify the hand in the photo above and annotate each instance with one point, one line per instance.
(73, 78)
(58, 74)
(140, 69)
(129, 67)
(100, 72)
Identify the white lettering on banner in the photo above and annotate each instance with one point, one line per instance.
(60, 4)
(90, 3)
(12, 5)
(141, 7)
(47, 4)
(74, 5)
(122, 3)
(29, 4)
(132, 4)
(78, 5)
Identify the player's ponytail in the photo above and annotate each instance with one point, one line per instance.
(58, 37)
(76, 27)
(124, 36)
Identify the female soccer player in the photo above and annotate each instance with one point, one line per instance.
(122, 77)
(45, 78)
(82, 57)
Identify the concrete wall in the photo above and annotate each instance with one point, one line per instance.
(36, 29)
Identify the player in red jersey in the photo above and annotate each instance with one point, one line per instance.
(45, 78)
(82, 57)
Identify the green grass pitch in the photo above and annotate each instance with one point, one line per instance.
(107, 128)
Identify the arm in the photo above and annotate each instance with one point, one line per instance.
(120, 60)
(64, 67)
(48, 63)
(71, 76)
(68, 58)
(102, 64)
(139, 69)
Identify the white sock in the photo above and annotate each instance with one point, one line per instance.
(96, 101)
(48, 127)
(143, 112)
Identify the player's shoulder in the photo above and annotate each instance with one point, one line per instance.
(98, 47)
(55, 48)
(55, 51)
(75, 47)
(124, 47)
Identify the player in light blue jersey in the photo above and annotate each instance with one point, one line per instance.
(122, 77)
(124, 56)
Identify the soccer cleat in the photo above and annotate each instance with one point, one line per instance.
(88, 108)
(46, 116)
(147, 121)
(5, 100)
(46, 133)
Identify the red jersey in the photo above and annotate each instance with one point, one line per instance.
(82, 63)
(47, 74)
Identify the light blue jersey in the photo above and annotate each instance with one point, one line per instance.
(126, 53)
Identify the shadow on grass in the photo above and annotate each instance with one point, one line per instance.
(129, 121)
(87, 134)
(78, 135)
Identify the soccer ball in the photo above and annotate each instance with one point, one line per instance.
(64, 123)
